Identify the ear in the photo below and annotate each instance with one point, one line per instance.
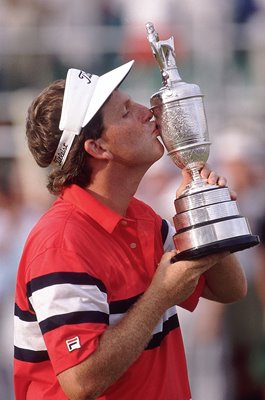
(97, 149)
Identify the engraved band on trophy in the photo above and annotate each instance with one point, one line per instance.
(206, 220)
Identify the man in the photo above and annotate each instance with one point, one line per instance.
(96, 295)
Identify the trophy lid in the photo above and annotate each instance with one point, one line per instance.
(174, 88)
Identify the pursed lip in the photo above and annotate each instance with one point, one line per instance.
(155, 129)
(156, 132)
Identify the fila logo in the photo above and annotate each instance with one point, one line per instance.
(73, 343)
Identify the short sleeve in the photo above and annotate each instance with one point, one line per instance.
(70, 305)
(167, 233)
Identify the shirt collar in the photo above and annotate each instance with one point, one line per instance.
(102, 214)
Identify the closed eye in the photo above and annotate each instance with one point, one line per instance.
(126, 113)
(126, 108)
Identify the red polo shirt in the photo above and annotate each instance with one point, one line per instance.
(82, 268)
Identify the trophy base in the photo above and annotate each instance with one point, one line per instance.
(232, 245)
(208, 222)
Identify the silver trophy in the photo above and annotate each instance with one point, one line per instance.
(206, 220)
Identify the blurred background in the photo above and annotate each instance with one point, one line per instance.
(220, 45)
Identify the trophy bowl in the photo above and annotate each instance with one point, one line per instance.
(183, 127)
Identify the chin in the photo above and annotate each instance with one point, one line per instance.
(162, 148)
(158, 156)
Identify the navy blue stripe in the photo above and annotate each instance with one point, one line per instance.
(24, 315)
(79, 317)
(164, 230)
(55, 278)
(168, 326)
(121, 306)
(30, 355)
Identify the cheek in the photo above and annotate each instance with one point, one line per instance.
(118, 142)
(120, 135)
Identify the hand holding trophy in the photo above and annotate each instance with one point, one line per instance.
(207, 220)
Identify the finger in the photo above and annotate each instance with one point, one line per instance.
(205, 172)
(233, 194)
(168, 256)
(205, 262)
(212, 259)
(186, 179)
(222, 181)
(213, 178)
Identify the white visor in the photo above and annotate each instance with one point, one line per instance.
(83, 96)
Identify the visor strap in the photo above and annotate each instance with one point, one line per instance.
(64, 147)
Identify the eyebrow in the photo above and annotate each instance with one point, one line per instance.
(123, 102)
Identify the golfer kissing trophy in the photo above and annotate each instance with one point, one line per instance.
(207, 220)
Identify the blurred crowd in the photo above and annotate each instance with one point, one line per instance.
(220, 46)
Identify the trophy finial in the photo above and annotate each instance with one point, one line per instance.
(164, 53)
(152, 37)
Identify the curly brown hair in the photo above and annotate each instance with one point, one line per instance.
(43, 135)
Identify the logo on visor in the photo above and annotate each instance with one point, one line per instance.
(84, 75)
(73, 343)
(60, 154)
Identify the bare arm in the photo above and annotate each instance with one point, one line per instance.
(122, 344)
(226, 281)
(260, 275)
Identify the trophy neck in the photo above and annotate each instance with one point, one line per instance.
(166, 58)
(170, 77)
(197, 184)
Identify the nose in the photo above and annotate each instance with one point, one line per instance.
(146, 114)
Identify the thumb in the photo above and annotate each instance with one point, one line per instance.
(166, 257)
(186, 179)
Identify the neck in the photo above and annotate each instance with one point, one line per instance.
(115, 189)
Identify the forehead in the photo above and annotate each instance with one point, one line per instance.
(116, 100)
